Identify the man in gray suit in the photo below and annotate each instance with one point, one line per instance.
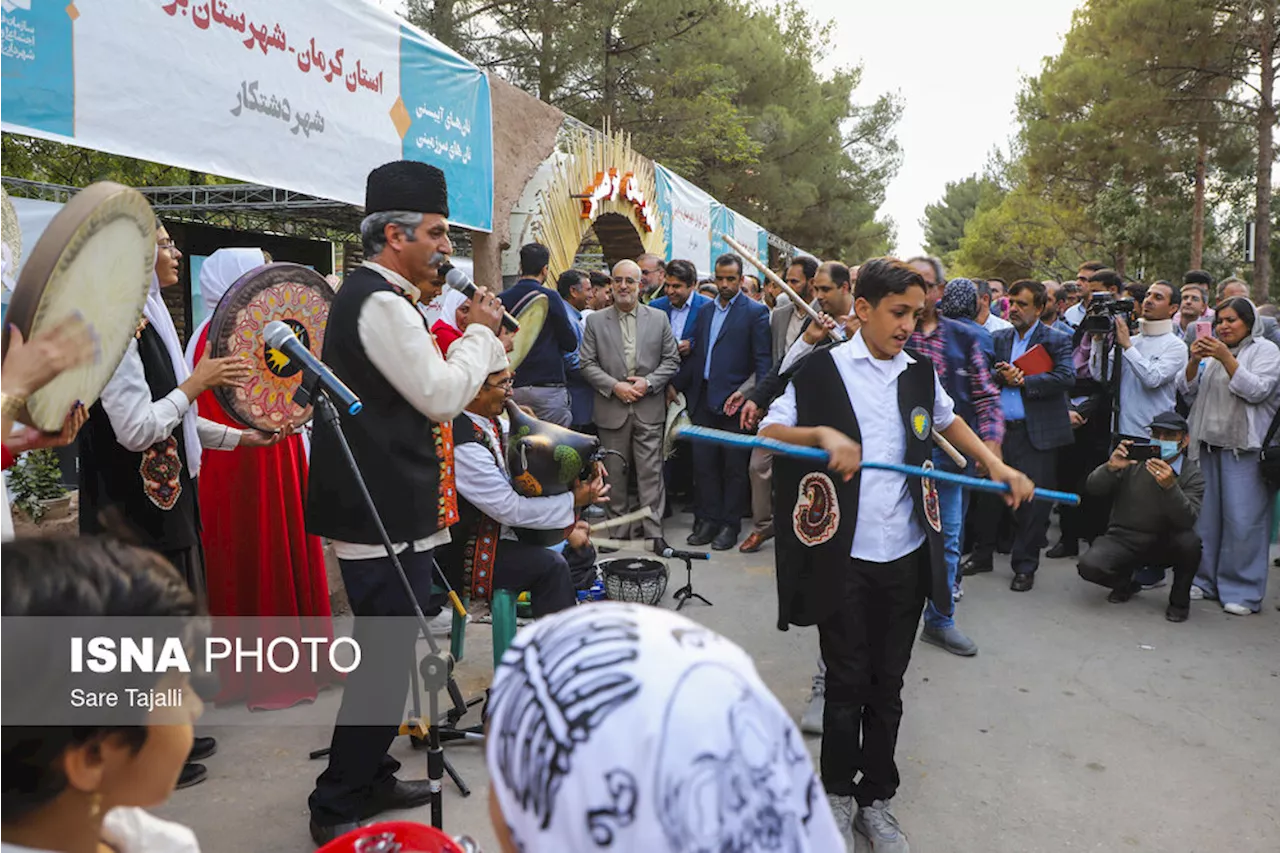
(629, 355)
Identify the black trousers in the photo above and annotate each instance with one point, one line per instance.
(1031, 520)
(541, 572)
(1075, 462)
(359, 766)
(721, 490)
(1113, 558)
(866, 645)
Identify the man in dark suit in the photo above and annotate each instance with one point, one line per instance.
(681, 303)
(540, 378)
(730, 353)
(1036, 419)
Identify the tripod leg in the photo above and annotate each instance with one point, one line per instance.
(453, 774)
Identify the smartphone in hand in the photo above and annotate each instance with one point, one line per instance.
(1204, 329)
(1143, 452)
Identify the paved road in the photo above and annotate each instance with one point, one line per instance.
(1081, 725)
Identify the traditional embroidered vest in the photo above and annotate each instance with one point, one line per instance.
(148, 495)
(817, 513)
(468, 559)
(405, 458)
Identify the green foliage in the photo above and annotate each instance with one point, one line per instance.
(57, 163)
(1111, 132)
(722, 91)
(35, 477)
(944, 221)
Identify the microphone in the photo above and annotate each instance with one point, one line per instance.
(280, 337)
(673, 554)
(462, 283)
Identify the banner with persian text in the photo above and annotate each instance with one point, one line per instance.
(308, 95)
(686, 217)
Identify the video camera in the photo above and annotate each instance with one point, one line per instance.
(1103, 308)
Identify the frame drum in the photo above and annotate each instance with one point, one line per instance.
(531, 313)
(297, 296)
(95, 260)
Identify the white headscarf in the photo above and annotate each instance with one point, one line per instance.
(157, 314)
(629, 727)
(450, 301)
(218, 272)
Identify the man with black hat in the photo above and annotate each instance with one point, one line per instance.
(378, 343)
(1153, 516)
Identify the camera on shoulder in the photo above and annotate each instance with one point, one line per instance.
(1103, 308)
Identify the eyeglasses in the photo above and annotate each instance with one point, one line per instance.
(504, 384)
(167, 246)
(617, 279)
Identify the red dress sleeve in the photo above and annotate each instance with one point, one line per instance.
(445, 335)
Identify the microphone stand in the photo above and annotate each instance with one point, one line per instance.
(684, 593)
(437, 667)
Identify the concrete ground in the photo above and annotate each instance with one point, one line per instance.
(1080, 725)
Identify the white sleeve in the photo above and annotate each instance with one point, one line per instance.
(483, 483)
(403, 351)
(782, 411)
(216, 436)
(798, 350)
(137, 420)
(944, 408)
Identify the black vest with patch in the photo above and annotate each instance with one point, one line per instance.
(813, 544)
(148, 497)
(398, 449)
(468, 559)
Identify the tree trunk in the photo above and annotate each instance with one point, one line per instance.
(546, 85)
(1197, 209)
(1266, 126)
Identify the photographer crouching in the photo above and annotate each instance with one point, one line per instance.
(1156, 492)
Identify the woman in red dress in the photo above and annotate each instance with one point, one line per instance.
(259, 559)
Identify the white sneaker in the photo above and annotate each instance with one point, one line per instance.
(811, 721)
(1197, 594)
(842, 809)
(880, 827)
(1236, 609)
(442, 624)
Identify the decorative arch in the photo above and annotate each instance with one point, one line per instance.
(601, 183)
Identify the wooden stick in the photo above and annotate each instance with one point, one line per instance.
(639, 515)
(620, 545)
(837, 333)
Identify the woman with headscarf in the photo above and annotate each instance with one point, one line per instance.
(632, 728)
(260, 559)
(454, 308)
(141, 450)
(1233, 380)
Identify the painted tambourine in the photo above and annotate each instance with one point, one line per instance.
(295, 295)
(95, 261)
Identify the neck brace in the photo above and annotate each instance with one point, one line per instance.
(1155, 328)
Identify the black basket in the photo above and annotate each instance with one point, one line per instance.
(634, 579)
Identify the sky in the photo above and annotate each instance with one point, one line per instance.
(959, 65)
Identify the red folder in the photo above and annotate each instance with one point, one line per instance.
(1035, 361)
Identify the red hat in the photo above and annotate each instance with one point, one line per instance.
(397, 836)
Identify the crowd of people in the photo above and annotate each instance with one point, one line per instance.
(1153, 402)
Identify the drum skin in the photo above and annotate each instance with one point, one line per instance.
(531, 313)
(293, 294)
(94, 261)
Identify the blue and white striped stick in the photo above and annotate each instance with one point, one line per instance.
(719, 436)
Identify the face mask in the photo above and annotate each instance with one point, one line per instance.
(1168, 449)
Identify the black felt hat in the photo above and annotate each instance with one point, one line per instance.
(406, 185)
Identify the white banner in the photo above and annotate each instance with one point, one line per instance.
(308, 95)
(686, 212)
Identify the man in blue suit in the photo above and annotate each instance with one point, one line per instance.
(681, 303)
(729, 354)
(1035, 412)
